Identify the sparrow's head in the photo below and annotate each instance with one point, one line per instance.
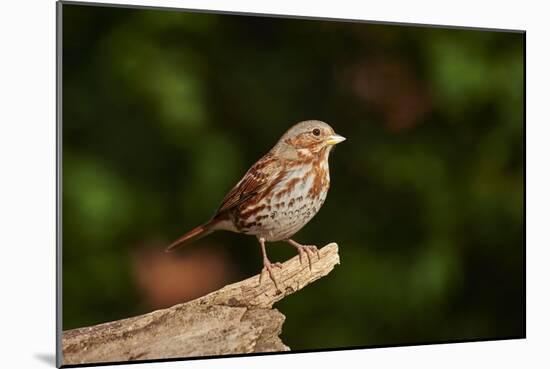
(310, 137)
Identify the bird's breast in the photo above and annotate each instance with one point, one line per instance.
(288, 205)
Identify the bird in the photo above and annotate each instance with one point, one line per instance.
(278, 195)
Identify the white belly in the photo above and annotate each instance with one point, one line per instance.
(286, 214)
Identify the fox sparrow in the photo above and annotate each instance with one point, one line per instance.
(279, 194)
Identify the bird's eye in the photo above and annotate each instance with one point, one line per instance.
(316, 132)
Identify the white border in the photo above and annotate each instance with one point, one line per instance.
(27, 161)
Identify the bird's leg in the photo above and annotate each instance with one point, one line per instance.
(268, 266)
(308, 250)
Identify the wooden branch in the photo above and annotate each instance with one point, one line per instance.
(235, 319)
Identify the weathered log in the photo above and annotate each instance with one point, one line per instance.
(235, 319)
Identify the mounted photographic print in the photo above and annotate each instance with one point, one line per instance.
(234, 184)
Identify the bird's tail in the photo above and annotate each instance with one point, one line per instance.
(192, 235)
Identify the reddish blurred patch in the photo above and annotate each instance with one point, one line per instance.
(165, 279)
(391, 88)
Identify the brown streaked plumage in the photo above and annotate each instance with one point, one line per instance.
(279, 194)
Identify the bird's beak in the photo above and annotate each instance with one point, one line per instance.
(335, 139)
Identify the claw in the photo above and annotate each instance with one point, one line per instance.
(268, 267)
(308, 250)
(301, 253)
(308, 253)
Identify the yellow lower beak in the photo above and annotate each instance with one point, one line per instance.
(335, 139)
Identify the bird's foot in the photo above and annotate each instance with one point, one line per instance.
(268, 267)
(308, 250)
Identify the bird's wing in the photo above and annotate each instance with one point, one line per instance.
(258, 178)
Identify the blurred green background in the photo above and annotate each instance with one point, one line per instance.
(164, 111)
